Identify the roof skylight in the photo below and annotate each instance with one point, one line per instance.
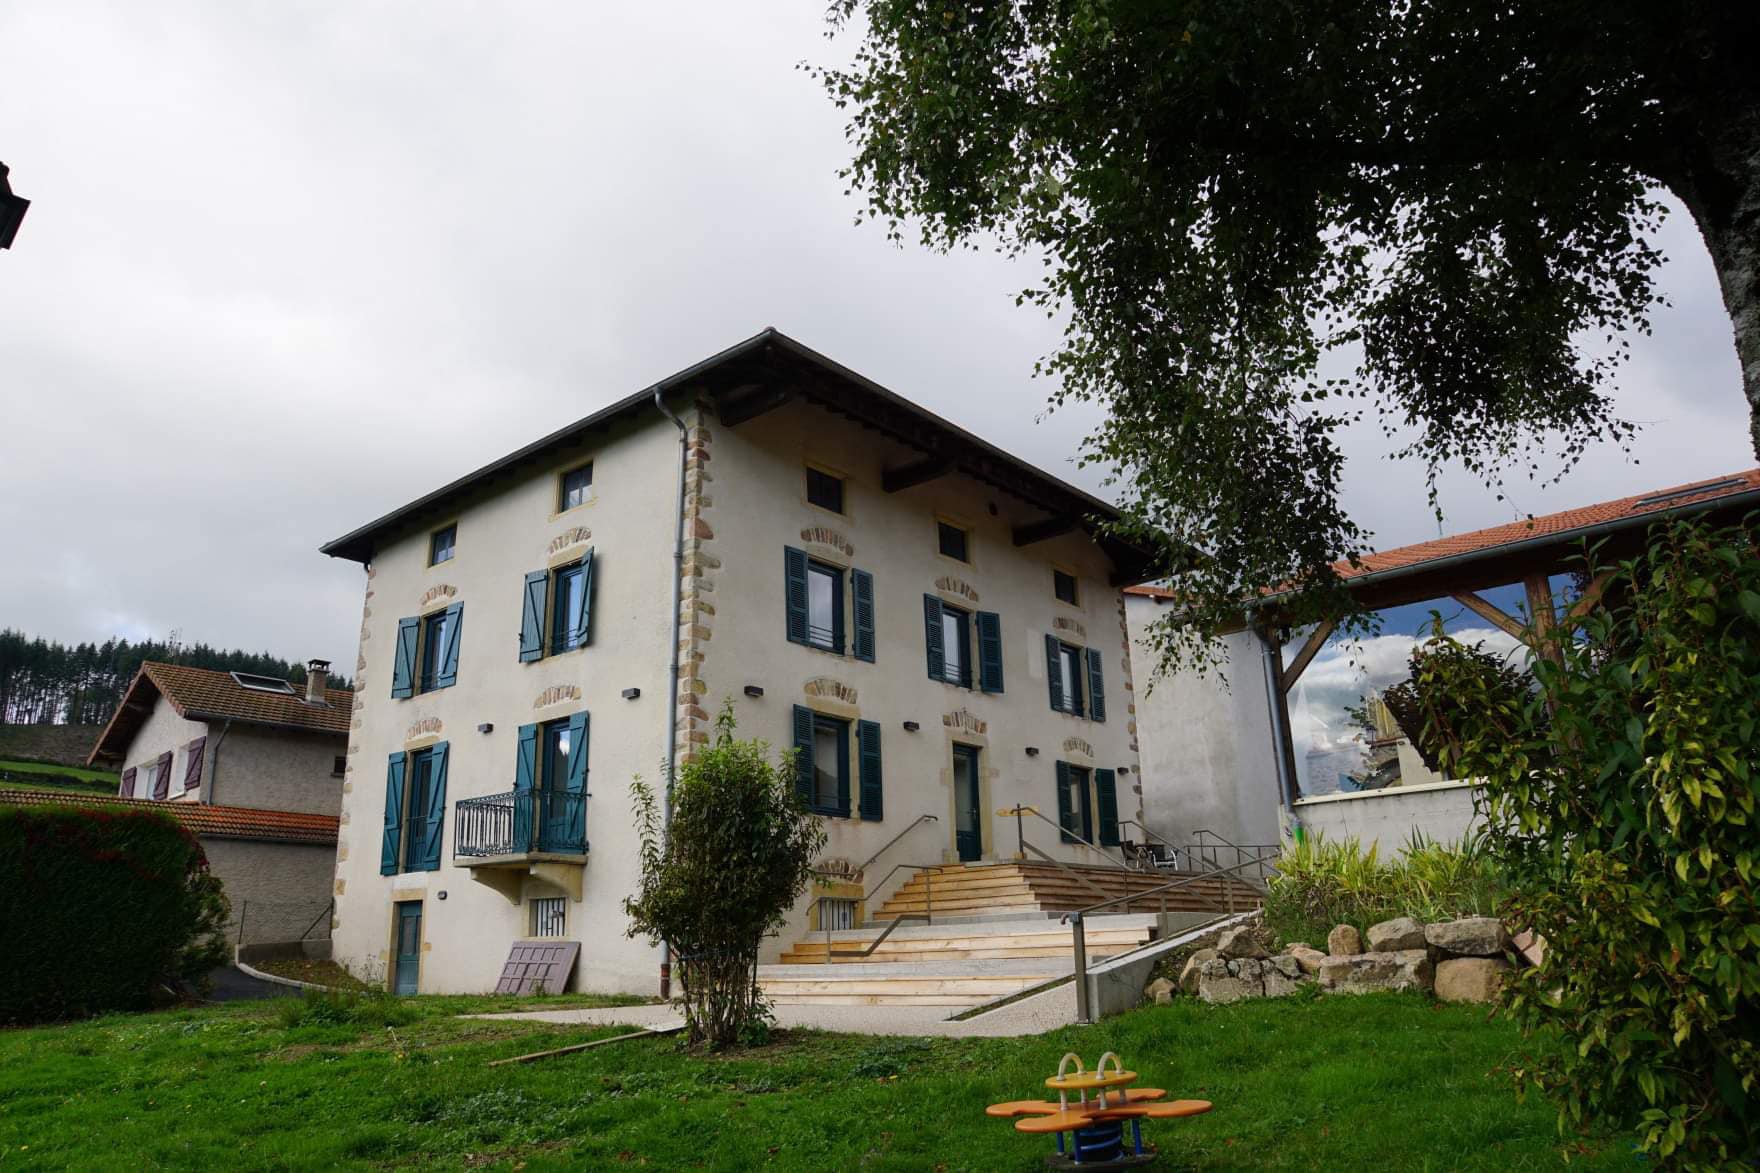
(262, 683)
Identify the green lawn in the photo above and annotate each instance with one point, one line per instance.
(1379, 1082)
(19, 775)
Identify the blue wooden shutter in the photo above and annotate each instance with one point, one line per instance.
(1066, 814)
(989, 651)
(803, 752)
(933, 638)
(1106, 806)
(576, 782)
(434, 830)
(448, 674)
(531, 616)
(403, 671)
(794, 592)
(389, 846)
(1096, 687)
(1054, 671)
(868, 751)
(862, 587)
(580, 624)
(525, 775)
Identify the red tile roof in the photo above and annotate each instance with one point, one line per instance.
(1561, 525)
(219, 822)
(201, 694)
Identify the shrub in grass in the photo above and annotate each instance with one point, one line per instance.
(735, 857)
(102, 910)
(1621, 800)
(1323, 882)
(373, 1008)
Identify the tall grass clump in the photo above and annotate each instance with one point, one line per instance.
(1322, 882)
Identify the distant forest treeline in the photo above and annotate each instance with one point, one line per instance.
(51, 683)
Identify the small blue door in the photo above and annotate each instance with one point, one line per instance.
(409, 947)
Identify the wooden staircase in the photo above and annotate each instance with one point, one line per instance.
(994, 932)
(961, 890)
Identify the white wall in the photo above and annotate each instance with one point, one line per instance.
(501, 536)
(1209, 757)
(162, 730)
(1441, 810)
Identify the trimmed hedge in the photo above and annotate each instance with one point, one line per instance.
(102, 910)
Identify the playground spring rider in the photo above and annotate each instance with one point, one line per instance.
(1096, 1126)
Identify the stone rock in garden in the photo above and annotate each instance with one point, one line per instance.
(1407, 969)
(1308, 959)
(1343, 941)
(1188, 976)
(1390, 936)
(1470, 979)
(1239, 943)
(1279, 984)
(1217, 985)
(1160, 991)
(1531, 946)
(1286, 965)
(1297, 946)
(1473, 936)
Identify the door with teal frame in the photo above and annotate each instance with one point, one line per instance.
(406, 977)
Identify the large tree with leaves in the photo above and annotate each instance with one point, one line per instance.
(1456, 198)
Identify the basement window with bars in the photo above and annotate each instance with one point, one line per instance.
(837, 914)
(549, 916)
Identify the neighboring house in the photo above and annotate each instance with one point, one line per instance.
(275, 865)
(1270, 742)
(195, 735)
(254, 766)
(929, 621)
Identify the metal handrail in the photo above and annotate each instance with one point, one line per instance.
(1019, 809)
(1079, 934)
(927, 916)
(869, 862)
(1148, 834)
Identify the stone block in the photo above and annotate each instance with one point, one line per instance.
(1344, 941)
(1531, 946)
(1364, 973)
(1286, 965)
(1217, 985)
(1160, 991)
(1279, 984)
(1188, 975)
(1390, 936)
(1473, 936)
(1239, 943)
(1308, 959)
(1470, 979)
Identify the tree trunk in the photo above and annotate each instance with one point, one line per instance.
(1723, 195)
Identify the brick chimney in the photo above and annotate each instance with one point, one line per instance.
(317, 676)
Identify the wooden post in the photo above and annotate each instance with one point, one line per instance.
(1542, 623)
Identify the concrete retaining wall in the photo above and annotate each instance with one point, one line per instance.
(1441, 810)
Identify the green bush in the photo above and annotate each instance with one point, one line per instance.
(103, 910)
(1321, 883)
(737, 854)
(1621, 802)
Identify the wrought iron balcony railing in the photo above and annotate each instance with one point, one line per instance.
(520, 822)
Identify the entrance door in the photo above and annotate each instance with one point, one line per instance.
(409, 946)
(968, 835)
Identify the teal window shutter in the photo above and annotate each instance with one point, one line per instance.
(1054, 671)
(1096, 687)
(580, 624)
(576, 782)
(1066, 811)
(388, 848)
(862, 587)
(803, 752)
(989, 651)
(1106, 805)
(448, 674)
(531, 617)
(933, 639)
(868, 748)
(794, 592)
(403, 670)
(525, 777)
(435, 807)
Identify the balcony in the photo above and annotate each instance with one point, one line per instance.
(504, 837)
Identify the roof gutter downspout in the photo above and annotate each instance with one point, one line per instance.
(214, 763)
(672, 691)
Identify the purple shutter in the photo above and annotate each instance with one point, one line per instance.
(162, 776)
(126, 790)
(192, 769)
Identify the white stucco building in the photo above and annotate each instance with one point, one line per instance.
(929, 620)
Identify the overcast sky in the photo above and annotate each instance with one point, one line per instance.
(289, 266)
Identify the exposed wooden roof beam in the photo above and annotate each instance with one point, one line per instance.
(1491, 613)
(749, 401)
(1039, 531)
(917, 472)
(1309, 650)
